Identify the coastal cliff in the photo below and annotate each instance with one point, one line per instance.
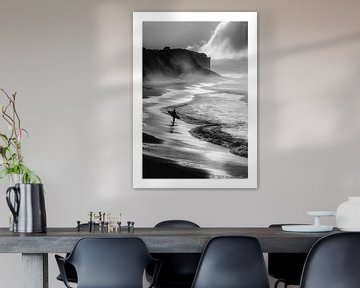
(175, 63)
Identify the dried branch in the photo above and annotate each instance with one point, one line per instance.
(10, 153)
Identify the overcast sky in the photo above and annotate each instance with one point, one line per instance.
(216, 39)
(157, 35)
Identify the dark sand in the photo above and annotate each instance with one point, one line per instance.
(147, 138)
(154, 167)
(158, 88)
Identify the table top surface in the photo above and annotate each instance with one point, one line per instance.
(158, 240)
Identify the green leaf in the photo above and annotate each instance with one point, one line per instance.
(3, 151)
(13, 156)
(4, 173)
(27, 175)
(33, 178)
(26, 132)
(4, 137)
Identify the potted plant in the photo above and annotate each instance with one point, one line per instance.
(11, 158)
(26, 198)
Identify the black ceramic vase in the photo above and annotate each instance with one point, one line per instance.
(27, 204)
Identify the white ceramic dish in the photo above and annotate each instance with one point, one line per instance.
(321, 213)
(306, 228)
(350, 229)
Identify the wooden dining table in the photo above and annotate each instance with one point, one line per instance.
(35, 247)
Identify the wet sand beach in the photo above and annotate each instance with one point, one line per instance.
(154, 167)
(172, 151)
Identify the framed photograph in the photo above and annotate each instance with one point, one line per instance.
(195, 100)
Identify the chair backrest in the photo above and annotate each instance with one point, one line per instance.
(178, 269)
(110, 262)
(232, 262)
(333, 262)
(286, 267)
(176, 224)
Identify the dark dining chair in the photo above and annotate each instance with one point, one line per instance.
(178, 269)
(232, 262)
(333, 262)
(108, 263)
(286, 267)
(70, 271)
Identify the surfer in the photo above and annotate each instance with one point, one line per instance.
(174, 116)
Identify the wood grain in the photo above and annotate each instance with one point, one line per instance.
(35, 270)
(158, 240)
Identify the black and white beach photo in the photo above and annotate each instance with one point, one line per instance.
(195, 90)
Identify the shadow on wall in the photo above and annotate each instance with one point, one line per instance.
(309, 47)
(311, 117)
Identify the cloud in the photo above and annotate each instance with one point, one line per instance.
(229, 40)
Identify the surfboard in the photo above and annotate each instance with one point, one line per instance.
(173, 114)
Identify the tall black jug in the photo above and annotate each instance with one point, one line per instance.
(28, 207)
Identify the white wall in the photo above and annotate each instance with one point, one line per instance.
(71, 64)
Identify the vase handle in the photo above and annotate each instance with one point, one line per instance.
(13, 208)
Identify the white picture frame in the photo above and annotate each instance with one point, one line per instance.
(140, 20)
